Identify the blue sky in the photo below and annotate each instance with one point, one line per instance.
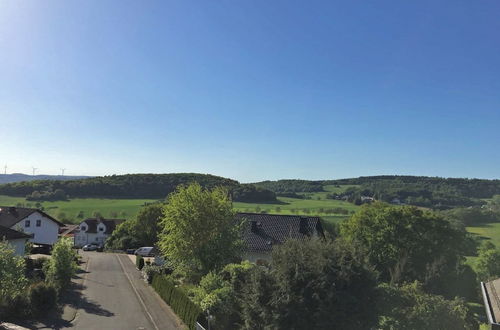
(251, 90)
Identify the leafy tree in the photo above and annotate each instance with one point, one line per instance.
(488, 262)
(406, 243)
(61, 266)
(409, 307)
(12, 279)
(147, 223)
(310, 285)
(141, 231)
(198, 231)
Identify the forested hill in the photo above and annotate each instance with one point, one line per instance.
(433, 192)
(135, 186)
(18, 177)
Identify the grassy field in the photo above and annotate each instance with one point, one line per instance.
(68, 211)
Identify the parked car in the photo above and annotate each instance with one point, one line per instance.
(90, 247)
(131, 251)
(145, 251)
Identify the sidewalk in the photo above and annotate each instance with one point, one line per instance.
(157, 308)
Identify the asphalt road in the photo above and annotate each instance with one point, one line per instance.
(113, 296)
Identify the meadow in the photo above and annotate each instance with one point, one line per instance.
(78, 209)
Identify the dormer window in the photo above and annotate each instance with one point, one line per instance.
(101, 228)
(84, 228)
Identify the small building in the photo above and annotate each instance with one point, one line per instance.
(264, 231)
(491, 291)
(16, 239)
(95, 230)
(45, 228)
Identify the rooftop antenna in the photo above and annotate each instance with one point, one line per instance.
(62, 171)
(34, 169)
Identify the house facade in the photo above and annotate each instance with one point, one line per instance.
(95, 231)
(15, 239)
(264, 231)
(43, 227)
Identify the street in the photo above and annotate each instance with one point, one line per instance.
(113, 296)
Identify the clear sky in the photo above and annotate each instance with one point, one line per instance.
(250, 89)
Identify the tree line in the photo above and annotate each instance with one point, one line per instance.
(132, 186)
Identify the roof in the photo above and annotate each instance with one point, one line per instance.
(67, 230)
(110, 224)
(8, 234)
(263, 231)
(10, 215)
(490, 291)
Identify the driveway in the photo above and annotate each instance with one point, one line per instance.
(113, 296)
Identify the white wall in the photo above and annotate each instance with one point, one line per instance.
(82, 237)
(18, 245)
(45, 234)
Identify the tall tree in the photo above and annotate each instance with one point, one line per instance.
(406, 243)
(311, 285)
(198, 231)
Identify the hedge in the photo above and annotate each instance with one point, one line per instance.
(139, 262)
(187, 310)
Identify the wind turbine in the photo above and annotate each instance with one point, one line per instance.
(5, 169)
(34, 169)
(62, 171)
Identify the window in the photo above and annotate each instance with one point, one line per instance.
(84, 228)
(101, 228)
(38, 223)
(27, 223)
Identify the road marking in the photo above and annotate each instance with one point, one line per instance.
(137, 293)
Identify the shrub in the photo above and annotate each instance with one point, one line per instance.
(187, 310)
(139, 262)
(43, 298)
(149, 271)
(15, 308)
(62, 266)
(12, 274)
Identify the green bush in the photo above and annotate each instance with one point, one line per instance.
(43, 298)
(187, 310)
(139, 262)
(17, 308)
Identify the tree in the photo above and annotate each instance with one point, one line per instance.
(146, 224)
(488, 262)
(407, 244)
(408, 307)
(61, 266)
(12, 279)
(141, 231)
(310, 284)
(198, 231)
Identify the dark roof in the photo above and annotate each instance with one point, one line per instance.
(263, 231)
(10, 215)
(109, 223)
(7, 233)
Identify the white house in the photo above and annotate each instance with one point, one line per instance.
(43, 227)
(15, 239)
(95, 231)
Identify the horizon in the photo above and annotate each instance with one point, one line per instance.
(251, 91)
(250, 182)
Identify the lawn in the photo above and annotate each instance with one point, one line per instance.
(489, 231)
(68, 211)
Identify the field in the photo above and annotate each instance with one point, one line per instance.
(78, 209)
(68, 211)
